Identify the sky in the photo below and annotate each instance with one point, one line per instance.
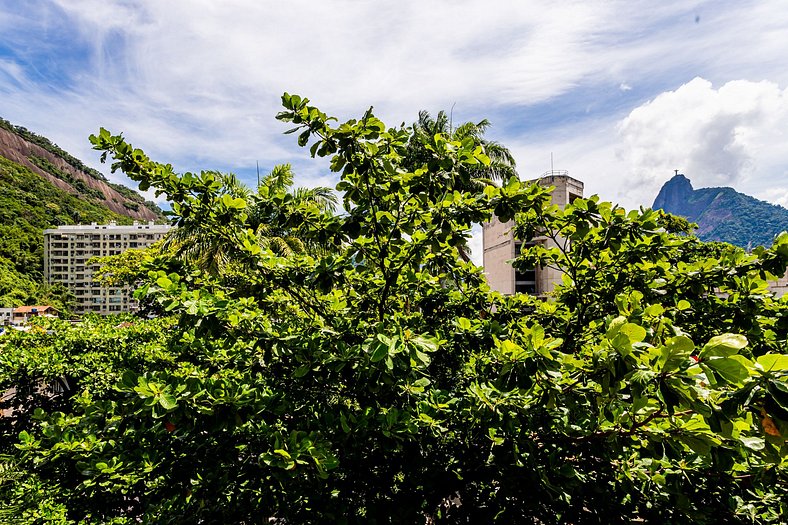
(619, 93)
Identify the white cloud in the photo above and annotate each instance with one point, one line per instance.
(776, 195)
(717, 137)
(197, 83)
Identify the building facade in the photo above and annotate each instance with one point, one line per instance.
(780, 286)
(500, 246)
(67, 250)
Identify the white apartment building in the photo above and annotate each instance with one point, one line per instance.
(67, 250)
(500, 246)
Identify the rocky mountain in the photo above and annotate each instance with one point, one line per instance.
(59, 168)
(723, 214)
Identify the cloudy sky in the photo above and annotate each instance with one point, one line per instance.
(621, 93)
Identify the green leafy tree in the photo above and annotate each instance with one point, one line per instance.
(52, 369)
(424, 147)
(383, 382)
(428, 130)
(275, 213)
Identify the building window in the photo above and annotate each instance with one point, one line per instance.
(524, 279)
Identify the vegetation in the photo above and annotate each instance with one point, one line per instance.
(77, 164)
(28, 205)
(428, 131)
(51, 368)
(78, 184)
(51, 147)
(383, 382)
(274, 214)
(754, 222)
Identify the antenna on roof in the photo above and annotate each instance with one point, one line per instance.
(258, 173)
(677, 171)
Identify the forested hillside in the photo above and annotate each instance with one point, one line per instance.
(42, 186)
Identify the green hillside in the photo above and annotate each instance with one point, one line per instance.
(28, 205)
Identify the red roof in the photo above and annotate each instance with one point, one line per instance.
(37, 308)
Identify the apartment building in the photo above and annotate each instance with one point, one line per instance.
(500, 246)
(67, 250)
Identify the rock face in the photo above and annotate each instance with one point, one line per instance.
(20, 150)
(723, 214)
(675, 195)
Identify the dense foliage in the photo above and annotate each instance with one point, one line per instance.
(49, 368)
(383, 382)
(272, 213)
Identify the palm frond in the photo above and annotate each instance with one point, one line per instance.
(279, 178)
(231, 185)
(321, 196)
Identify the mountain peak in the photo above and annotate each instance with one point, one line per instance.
(674, 194)
(723, 214)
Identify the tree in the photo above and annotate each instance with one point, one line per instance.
(276, 210)
(422, 144)
(422, 151)
(383, 382)
(273, 213)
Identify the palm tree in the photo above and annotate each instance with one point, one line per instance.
(471, 178)
(467, 178)
(205, 247)
(273, 213)
(278, 211)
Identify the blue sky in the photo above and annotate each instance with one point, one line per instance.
(620, 92)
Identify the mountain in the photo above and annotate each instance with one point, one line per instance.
(42, 186)
(723, 214)
(69, 174)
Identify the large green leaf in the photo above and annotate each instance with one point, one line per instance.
(675, 353)
(723, 346)
(729, 369)
(773, 362)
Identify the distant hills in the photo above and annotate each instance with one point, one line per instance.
(723, 214)
(42, 186)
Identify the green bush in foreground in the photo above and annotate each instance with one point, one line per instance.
(384, 383)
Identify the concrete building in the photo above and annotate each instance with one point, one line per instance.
(67, 250)
(780, 286)
(500, 246)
